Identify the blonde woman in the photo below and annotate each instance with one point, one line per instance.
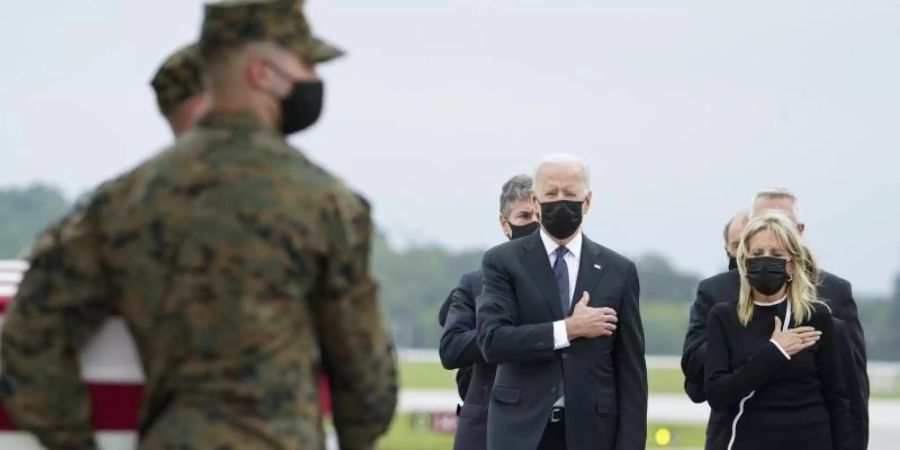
(773, 368)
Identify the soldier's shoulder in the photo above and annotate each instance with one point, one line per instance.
(347, 212)
(299, 170)
(108, 191)
(79, 221)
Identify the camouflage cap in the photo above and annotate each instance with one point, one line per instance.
(178, 78)
(232, 23)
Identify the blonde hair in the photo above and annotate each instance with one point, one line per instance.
(801, 292)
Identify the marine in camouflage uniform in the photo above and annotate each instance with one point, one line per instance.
(180, 88)
(237, 263)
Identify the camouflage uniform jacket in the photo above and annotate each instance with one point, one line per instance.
(238, 265)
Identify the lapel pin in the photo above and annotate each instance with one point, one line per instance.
(598, 266)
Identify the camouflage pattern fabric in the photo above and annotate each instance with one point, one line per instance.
(238, 266)
(179, 78)
(232, 24)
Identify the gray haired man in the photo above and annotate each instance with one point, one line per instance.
(834, 290)
(732, 234)
(838, 294)
(459, 348)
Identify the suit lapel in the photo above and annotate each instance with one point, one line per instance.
(590, 269)
(537, 265)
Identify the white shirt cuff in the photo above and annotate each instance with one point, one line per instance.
(560, 337)
(780, 349)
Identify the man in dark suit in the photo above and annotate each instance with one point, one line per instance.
(733, 231)
(725, 287)
(459, 348)
(559, 316)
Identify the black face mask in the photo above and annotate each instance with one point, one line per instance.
(520, 231)
(767, 274)
(561, 218)
(732, 262)
(302, 106)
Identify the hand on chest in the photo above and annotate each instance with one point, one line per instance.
(545, 294)
(749, 340)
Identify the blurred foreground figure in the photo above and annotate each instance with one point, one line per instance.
(236, 262)
(180, 90)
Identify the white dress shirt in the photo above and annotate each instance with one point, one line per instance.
(573, 261)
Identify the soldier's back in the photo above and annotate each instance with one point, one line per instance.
(217, 248)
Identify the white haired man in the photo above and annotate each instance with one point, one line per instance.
(570, 349)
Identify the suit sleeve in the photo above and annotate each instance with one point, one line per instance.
(357, 352)
(725, 388)
(828, 359)
(856, 401)
(443, 311)
(63, 298)
(857, 341)
(459, 345)
(501, 337)
(631, 369)
(845, 309)
(693, 357)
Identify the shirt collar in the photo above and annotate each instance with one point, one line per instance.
(574, 245)
(771, 304)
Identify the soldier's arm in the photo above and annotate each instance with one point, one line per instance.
(357, 352)
(62, 299)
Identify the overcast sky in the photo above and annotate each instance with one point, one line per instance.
(681, 112)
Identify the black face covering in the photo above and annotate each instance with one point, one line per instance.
(561, 218)
(767, 274)
(520, 231)
(302, 106)
(732, 262)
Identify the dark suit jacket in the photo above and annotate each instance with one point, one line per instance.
(469, 288)
(605, 378)
(859, 430)
(459, 350)
(725, 287)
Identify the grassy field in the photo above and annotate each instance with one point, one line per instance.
(412, 432)
(430, 375)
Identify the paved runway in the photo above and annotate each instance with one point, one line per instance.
(674, 408)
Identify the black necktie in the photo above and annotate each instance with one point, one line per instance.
(561, 273)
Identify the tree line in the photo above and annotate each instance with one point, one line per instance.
(415, 281)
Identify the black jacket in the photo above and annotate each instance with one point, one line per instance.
(469, 287)
(765, 399)
(859, 414)
(605, 378)
(725, 287)
(459, 350)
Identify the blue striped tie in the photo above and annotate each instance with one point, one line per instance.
(561, 273)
